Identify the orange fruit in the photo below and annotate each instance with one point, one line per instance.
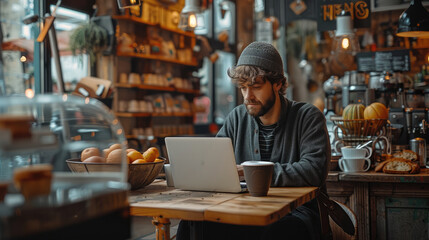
(155, 150)
(151, 154)
(139, 161)
(134, 155)
(130, 150)
(158, 160)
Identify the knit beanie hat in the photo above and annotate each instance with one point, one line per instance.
(263, 55)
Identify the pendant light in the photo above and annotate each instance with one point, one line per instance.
(414, 22)
(128, 3)
(345, 40)
(189, 18)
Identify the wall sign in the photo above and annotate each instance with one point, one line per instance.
(329, 9)
(298, 9)
(392, 61)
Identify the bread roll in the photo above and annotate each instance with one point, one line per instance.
(115, 156)
(33, 180)
(407, 154)
(95, 159)
(18, 125)
(107, 151)
(89, 152)
(398, 166)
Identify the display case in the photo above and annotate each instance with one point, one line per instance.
(43, 197)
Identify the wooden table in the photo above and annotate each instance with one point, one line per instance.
(162, 203)
(386, 205)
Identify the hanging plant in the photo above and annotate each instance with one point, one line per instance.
(89, 38)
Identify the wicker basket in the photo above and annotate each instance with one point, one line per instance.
(359, 127)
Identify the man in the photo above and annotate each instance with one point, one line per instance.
(270, 127)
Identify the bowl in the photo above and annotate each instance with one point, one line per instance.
(139, 174)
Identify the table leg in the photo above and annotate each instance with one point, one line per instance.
(162, 228)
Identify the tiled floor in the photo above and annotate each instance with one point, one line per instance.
(143, 229)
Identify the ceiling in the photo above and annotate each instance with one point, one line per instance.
(83, 6)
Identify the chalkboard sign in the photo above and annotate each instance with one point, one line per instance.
(392, 61)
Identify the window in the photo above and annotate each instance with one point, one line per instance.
(17, 47)
(73, 67)
(219, 94)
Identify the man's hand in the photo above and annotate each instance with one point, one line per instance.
(240, 172)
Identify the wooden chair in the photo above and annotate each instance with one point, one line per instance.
(337, 221)
(337, 231)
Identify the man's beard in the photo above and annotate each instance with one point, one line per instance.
(264, 107)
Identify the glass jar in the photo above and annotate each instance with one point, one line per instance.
(43, 141)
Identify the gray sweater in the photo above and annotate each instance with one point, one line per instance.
(301, 150)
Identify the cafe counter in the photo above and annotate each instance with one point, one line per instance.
(387, 206)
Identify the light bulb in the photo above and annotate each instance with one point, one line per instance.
(192, 20)
(345, 43)
(29, 93)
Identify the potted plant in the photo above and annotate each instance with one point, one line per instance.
(89, 38)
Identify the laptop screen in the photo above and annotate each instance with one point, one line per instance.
(203, 164)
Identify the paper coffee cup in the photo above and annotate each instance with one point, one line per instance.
(258, 175)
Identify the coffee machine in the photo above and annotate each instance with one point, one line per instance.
(354, 89)
(399, 129)
(416, 119)
(332, 88)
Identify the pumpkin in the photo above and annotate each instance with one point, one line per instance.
(376, 111)
(353, 111)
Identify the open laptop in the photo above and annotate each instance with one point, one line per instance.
(203, 164)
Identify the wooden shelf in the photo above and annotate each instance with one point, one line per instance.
(157, 88)
(156, 57)
(141, 137)
(398, 48)
(139, 20)
(144, 114)
(150, 138)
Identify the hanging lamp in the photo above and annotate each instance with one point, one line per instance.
(345, 38)
(414, 22)
(189, 19)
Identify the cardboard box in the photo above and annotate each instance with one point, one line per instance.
(93, 87)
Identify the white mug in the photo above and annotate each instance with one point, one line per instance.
(354, 164)
(351, 152)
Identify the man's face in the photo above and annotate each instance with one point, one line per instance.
(259, 97)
